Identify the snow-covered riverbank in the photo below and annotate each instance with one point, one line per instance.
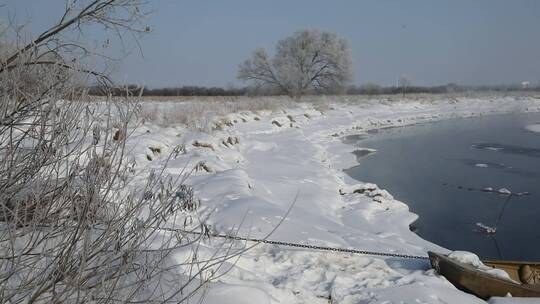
(259, 164)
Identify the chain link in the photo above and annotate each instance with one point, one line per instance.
(314, 247)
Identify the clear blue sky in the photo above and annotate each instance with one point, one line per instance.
(432, 42)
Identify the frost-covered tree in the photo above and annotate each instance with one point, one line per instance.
(77, 224)
(404, 83)
(308, 61)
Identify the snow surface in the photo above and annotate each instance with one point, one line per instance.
(256, 177)
(472, 259)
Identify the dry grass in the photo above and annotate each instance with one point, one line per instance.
(203, 113)
(206, 113)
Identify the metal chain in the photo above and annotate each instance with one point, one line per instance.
(315, 247)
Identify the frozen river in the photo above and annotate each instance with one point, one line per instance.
(455, 175)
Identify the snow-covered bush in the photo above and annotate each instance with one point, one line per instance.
(76, 223)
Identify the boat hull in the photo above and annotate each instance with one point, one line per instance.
(481, 284)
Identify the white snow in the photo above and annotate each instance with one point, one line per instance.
(473, 260)
(256, 179)
(533, 128)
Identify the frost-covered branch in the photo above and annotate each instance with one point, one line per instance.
(76, 223)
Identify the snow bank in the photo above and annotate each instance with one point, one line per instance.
(292, 157)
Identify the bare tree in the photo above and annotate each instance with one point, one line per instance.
(308, 61)
(404, 83)
(74, 226)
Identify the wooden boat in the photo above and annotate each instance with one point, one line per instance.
(525, 277)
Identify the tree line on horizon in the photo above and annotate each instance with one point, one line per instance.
(364, 89)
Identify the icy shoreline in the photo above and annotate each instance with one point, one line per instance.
(261, 163)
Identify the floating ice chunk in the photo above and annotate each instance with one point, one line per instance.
(533, 128)
(504, 191)
(486, 229)
(473, 260)
(481, 165)
(488, 189)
